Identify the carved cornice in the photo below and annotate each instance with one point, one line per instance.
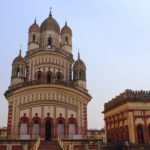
(127, 96)
(41, 84)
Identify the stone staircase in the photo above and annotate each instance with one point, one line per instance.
(49, 145)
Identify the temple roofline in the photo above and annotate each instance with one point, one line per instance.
(127, 95)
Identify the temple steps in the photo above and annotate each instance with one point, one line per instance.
(49, 145)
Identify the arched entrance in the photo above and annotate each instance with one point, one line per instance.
(39, 75)
(36, 130)
(24, 129)
(60, 129)
(49, 77)
(72, 127)
(149, 132)
(71, 130)
(48, 130)
(140, 134)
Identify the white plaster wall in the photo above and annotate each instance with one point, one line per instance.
(70, 112)
(49, 109)
(60, 110)
(24, 111)
(36, 110)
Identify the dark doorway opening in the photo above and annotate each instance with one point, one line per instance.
(48, 130)
(49, 42)
(140, 135)
(49, 78)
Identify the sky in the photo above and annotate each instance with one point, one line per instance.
(113, 37)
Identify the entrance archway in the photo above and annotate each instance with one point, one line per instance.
(71, 130)
(36, 130)
(60, 129)
(48, 130)
(140, 134)
(149, 132)
(49, 77)
(24, 129)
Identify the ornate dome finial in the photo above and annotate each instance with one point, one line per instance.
(66, 22)
(35, 20)
(50, 14)
(78, 54)
(20, 52)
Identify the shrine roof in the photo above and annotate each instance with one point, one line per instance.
(127, 95)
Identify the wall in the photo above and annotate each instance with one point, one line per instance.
(128, 117)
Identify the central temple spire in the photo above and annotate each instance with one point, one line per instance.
(78, 55)
(20, 52)
(50, 13)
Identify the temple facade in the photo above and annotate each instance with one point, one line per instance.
(47, 95)
(127, 118)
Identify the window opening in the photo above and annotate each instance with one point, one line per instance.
(39, 76)
(66, 40)
(18, 72)
(49, 42)
(140, 135)
(34, 37)
(49, 78)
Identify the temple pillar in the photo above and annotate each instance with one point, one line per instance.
(131, 128)
(30, 130)
(42, 131)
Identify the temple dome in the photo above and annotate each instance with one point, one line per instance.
(19, 60)
(66, 30)
(79, 64)
(34, 27)
(50, 24)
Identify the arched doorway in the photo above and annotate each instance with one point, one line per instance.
(71, 131)
(48, 130)
(140, 134)
(36, 130)
(72, 127)
(39, 75)
(149, 131)
(60, 129)
(49, 78)
(59, 76)
(24, 129)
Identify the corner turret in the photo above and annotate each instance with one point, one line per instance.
(79, 73)
(66, 38)
(34, 36)
(18, 70)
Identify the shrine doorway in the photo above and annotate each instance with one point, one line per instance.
(48, 130)
(140, 134)
(60, 129)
